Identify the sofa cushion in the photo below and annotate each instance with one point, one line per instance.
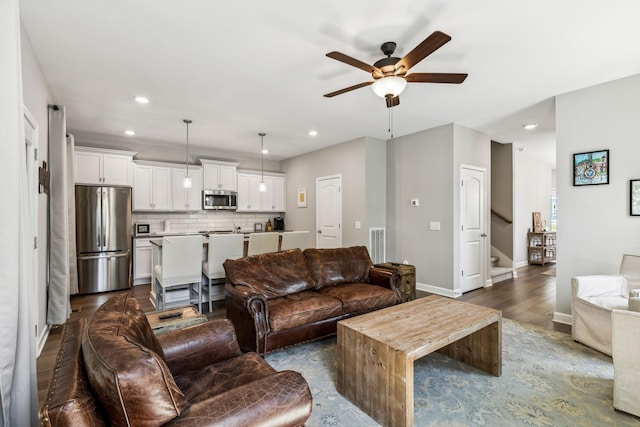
(332, 267)
(273, 274)
(303, 308)
(609, 303)
(226, 375)
(361, 297)
(126, 369)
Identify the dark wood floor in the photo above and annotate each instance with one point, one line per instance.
(529, 298)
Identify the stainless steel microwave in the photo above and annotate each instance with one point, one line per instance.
(219, 199)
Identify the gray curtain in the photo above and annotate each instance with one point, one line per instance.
(59, 306)
(71, 215)
(18, 389)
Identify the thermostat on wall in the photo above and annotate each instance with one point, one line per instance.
(415, 202)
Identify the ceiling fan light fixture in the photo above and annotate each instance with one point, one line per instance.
(389, 86)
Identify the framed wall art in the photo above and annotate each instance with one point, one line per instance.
(634, 197)
(591, 168)
(302, 197)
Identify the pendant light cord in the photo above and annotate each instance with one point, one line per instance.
(390, 128)
(262, 134)
(187, 121)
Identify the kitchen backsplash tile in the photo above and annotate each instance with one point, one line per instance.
(194, 222)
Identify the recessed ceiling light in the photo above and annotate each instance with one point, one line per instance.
(142, 99)
(530, 126)
(129, 132)
(265, 151)
(313, 132)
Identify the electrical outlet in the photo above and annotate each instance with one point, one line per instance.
(435, 226)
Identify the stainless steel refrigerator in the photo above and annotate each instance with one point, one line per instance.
(103, 238)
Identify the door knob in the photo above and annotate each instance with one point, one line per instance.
(319, 231)
(483, 235)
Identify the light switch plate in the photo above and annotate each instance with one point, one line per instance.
(415, 202)
(358, 225)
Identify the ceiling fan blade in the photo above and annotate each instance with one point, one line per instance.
(347, 89)
(429, 45)
(435, 78)
(353, 62)
(392, 101)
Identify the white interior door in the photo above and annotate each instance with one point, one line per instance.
(31, 162)
(329, 212)
(472, 218)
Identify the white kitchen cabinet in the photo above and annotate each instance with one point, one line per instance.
(250, 199)
(151, 187)
(273, 200)
(187, 199)
(141, 261)
(218, 175)
(103, 167)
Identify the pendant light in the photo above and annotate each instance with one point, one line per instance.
(263, 187)
(187, 179)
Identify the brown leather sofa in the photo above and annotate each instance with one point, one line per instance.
(115, 371)
(284, 298)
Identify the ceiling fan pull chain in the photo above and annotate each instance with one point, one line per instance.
(390, 129)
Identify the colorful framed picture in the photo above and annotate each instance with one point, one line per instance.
(634, 197)
(302, 197)
(591, 168)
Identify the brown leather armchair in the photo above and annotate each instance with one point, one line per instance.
(115, 371)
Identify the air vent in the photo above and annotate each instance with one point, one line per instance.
(377, 244)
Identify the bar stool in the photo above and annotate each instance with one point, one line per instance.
(221, 248)
(261, 243)
(294, 239)
(179, 268)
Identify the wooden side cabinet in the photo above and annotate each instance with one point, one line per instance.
(542, 247)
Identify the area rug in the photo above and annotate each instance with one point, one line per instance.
(547, 380)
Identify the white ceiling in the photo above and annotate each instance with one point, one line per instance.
(239, 68)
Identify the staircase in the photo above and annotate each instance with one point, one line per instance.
(498, 274)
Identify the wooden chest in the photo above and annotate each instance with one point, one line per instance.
(405, 275)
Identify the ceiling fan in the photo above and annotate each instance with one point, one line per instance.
(390, 73)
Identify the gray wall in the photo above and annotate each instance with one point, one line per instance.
(361, 163)
(594, 225)
(426, 166)
(36, 97)
(502, 198)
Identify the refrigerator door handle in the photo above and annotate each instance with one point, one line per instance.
(103, 256)
(98, 218)
(105, 216)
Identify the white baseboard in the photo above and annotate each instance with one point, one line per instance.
(451, 293)
(43, 339)
(488, 283)
(563, 318)
(521, 264)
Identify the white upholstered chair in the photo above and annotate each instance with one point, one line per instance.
(294, 239)
(626, 363)
(594, 297)
(262, 243)
(179, 271)
(221, 247)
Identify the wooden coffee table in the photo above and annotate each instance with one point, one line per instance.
(376, 351)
